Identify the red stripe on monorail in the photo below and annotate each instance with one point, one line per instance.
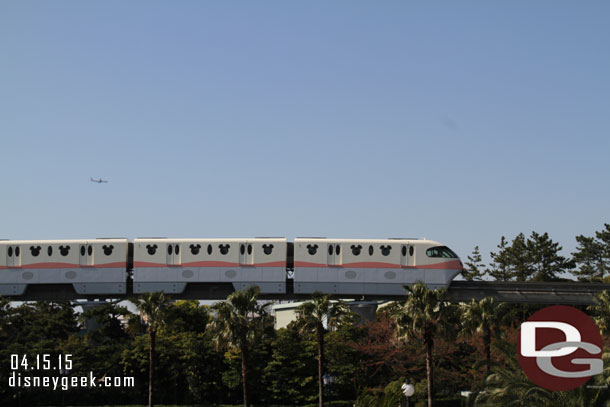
(210, 264)
(450, 265)
(52, 265)
(271, 264)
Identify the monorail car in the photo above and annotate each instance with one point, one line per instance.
(334, 266)
(169, 264)
(96, 266)
(381, 266)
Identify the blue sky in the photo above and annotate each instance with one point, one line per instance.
(457, 121)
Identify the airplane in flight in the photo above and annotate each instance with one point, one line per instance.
(99, 181)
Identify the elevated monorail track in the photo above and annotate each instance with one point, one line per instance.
(567, 293)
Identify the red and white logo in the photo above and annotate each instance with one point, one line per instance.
(560, 348)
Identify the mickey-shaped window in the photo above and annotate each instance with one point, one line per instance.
(385, 250)
(224, 248)
(195, 248)
(64, 250)
(312, 249)
(151, 249)
(107, 249)
(356, 249)
(267, 248)
(35, 250)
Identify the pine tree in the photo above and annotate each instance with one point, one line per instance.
(593, 256)
(500, 267)
(536, 258)
(475, 267)
(545, 262)
(520, 258)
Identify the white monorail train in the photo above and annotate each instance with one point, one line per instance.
(334, 266)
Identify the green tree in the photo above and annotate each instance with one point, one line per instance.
(240, 321)
(152, 306)
(291, 371)
(311, 316)
(500, 267)
(545, 261)
(424, 317)
(536, 258)
(33, 329)
(601, 311)
(185, 354)
(475, 268)
(482, 317)
(519, 256)
(188, 316)
(593, 255)
(104, 322)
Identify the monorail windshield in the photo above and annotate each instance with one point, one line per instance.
(441, 251)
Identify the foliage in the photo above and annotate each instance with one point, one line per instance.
(500, 267)
(32, 329)
(291, 371)
(534, 259)
(475, 269)
(152, 307)
(390, 397)
(482, 317)
(424, 317)
(593, 256)
(508, 386)
(240, 323)
(311, 316)
(601, 311)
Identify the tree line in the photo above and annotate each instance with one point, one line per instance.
(538, 258)
(184, 353)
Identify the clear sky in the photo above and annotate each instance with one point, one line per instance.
(457, 121)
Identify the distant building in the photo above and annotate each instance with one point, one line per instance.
(286, 313)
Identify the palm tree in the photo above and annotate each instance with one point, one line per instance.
(152, 307)
(311, 316)
(424, 316)
(482, 317)
(507, 385)
(239, 323)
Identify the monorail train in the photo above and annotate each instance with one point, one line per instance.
(334, 266)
